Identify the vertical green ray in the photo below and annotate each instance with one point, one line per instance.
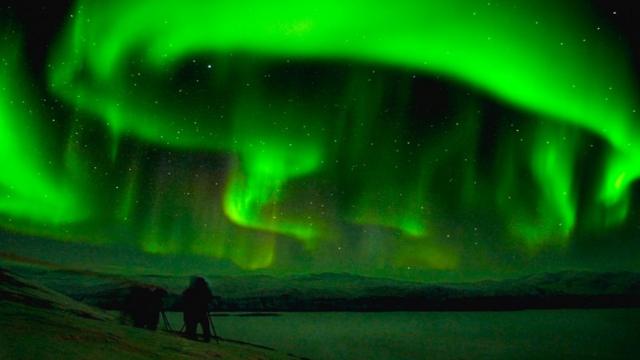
(30, 188)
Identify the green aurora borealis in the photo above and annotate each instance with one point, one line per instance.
(351, 135)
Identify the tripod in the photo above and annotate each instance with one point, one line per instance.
(165, 321)
(213, 327)
(214, 333)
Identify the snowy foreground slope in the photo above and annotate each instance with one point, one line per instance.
(39, 323)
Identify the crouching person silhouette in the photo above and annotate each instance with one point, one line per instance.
(144, 305)
(195, 305)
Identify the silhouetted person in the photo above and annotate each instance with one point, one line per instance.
(144, 306)
(155, 307)
(136, 303)
(195, 304)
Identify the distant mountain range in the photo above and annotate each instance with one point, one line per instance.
(348, 292)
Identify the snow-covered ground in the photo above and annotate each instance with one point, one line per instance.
(39, 323)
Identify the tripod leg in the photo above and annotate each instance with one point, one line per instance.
(213, 328)
(167, 324)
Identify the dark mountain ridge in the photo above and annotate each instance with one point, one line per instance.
(349, 292)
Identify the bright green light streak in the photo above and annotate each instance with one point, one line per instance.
(29, 188)
(553, 167)
(539, 56)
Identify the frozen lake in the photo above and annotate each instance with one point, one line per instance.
(549, 334)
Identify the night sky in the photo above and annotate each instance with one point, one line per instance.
(409, 138)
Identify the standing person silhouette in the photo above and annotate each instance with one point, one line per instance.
(195, 305)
